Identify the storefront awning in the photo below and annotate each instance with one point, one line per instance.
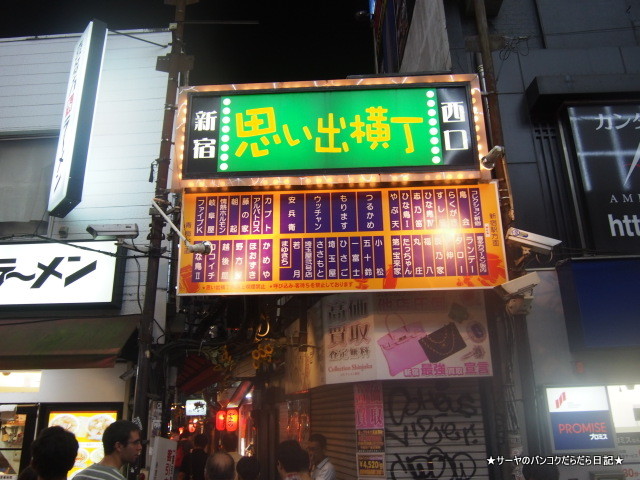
(36, 344)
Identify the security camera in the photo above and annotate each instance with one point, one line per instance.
(532, 241)
(518, 286)
(494, 156)
(119, 230)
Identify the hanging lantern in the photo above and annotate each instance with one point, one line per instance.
(232, 420)
(221, 420)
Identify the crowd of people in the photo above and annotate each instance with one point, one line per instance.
(54, 451)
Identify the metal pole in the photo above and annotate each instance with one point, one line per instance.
(495, 122)
(527, 382)
(174, 63)
(507, 216)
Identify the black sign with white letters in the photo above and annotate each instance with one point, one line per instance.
(607, 145)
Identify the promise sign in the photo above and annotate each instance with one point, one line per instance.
(343, 240)
(419, 127)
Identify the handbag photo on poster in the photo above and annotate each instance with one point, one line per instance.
(401, 346)
(442, 343)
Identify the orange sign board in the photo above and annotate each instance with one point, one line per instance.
(303, 241)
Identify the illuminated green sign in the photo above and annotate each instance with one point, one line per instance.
(393, 129)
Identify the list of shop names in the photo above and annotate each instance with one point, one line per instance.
(310, 245)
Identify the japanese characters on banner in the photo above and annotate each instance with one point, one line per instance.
(608, 156)
(405, 335)
(75, 131)
(163, 459)
(55, 273)
(370, 449)
(343, 240)
(580, 419)
(243, 132)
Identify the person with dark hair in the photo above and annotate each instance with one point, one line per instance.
(122, 444)
(321, 467)
(29, 473)
(229, 443)
(194, 462)
(220, 466)
(248, 468)
(292, 461)
(540, 472)
(53, 453)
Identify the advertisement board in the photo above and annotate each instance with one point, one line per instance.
(580, 419)
(403, 124)
(343, 240)
(88, 428)
(400, 128)
(163, 459)
(88, 273)
(607, 150)
(75, 131)
(405, 335)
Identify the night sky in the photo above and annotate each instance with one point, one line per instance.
(292, 40)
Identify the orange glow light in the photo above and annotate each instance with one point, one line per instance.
(232, 420)
(221, 420)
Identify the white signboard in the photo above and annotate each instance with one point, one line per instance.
(164, 459)
(195, 407)
(405, 335)
(57, 273)
(75, 131)
(577, 399)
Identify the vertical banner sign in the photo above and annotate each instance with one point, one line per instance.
(369, 429)
(164, 459)
(580, 419)
(394, 129)
(343, 240)
(77, 118)
(607, 145)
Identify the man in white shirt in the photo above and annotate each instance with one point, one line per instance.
(321, 467)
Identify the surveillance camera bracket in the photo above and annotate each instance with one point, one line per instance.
(204, 247)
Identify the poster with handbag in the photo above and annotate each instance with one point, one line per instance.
(401, 346)
(405, 335)
(441, 334)
(442, 343)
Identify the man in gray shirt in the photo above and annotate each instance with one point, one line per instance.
(122, 444)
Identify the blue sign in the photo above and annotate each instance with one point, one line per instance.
(573, 431)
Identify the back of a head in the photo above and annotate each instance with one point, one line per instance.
(200, 440)
(248, 468)
(53, 453)
(118, 431)
(319, 439)
(540, 472)
(28, 473)
(292, 457)
(229, 442)
(220, 466)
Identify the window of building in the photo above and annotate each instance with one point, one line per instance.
(26, 166)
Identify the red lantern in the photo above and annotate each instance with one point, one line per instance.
(232, 420)
(221, 420)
